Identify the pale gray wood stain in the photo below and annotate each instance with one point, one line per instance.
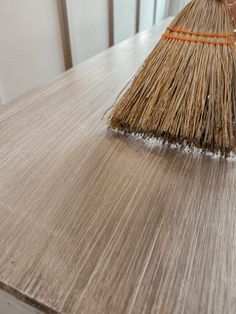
(94, 222)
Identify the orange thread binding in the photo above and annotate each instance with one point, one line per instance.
(184, 31)
(203, 41)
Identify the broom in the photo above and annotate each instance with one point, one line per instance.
(185, 92)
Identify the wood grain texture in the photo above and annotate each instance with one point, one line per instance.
(94, 222)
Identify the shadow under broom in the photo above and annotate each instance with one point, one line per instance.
(185, 92)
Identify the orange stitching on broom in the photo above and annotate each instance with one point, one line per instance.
(184, 31)
(166, 36)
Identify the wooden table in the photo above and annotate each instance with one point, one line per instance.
(96, 222)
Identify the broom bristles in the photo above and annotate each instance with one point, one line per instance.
(186, 90)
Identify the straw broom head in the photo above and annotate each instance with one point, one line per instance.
(185, 92)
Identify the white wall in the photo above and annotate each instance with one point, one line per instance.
(32, 42)
(89, 27)
(30, 45)
(146, 14)
(162, 9)
(125, 13)
(176, 5)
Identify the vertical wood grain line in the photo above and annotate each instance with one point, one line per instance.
(1, 98)
(138, 7)
(168, 8)
(65, 33)
(155, 12)
(111, 14)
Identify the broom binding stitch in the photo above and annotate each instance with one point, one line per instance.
(198, 34)
(196, 40)
(180, 30)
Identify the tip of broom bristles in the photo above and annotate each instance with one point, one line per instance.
(183, 146)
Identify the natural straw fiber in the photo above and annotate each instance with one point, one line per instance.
(185, 92)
